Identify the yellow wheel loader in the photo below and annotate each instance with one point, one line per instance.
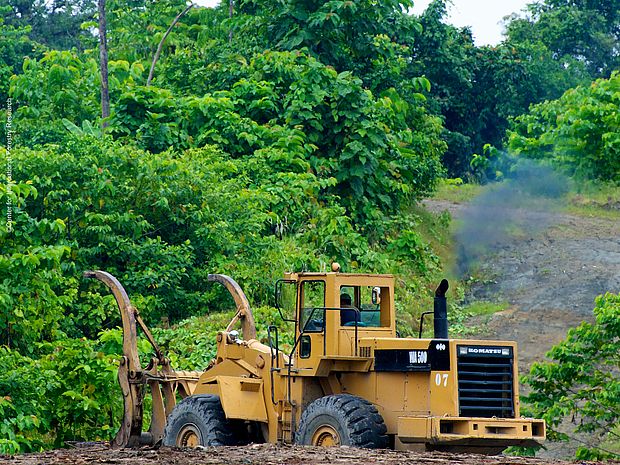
(348, 380)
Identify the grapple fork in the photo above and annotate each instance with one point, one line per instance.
(164, 382)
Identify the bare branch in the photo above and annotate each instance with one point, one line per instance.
(163, 39)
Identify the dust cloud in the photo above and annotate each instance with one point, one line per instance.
(518, 207)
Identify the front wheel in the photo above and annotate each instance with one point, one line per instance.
(199, 421)
(342, 420)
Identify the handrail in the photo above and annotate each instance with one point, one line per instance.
(358, 315)
(422, 322)
(276, 356)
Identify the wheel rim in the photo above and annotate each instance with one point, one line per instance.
(326, 436)
(189, 436)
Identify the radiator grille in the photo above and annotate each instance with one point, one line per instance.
(485, 376)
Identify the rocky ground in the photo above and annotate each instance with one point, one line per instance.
(263, 454)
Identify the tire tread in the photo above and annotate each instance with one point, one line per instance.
(216, 429)
(359, 418)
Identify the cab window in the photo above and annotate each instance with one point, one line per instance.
(312, 305)
(366, 300)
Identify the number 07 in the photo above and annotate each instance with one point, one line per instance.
(441, 377)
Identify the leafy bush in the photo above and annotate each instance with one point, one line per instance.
(59, 85)
(580, 383)
(297, 114)
(68, 393)
(33, 285)
(136, 215)
(14, 45)
(578, 132)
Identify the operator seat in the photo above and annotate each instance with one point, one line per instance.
(348, 315)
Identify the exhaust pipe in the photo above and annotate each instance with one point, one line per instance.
(440, 307)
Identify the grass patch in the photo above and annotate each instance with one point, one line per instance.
(454, 190)
(485, 308)
(612, 441)
(434, 228)
(595, 200)
(470, 319)
(592, 211)
(414, 292)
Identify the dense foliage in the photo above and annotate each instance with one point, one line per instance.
(67, 392)
(475, 90)
(580, 382)
(578, 132)
(478, 89)
(573, 30)
(286, 137)
(56, 23)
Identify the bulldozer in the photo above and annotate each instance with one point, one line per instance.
(348, 380)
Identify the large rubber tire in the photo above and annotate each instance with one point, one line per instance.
(342, 420)
(199, 421)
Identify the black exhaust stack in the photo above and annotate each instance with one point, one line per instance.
(440, 320)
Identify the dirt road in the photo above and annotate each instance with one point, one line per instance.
(263, 454)
(551, 282)
(550, 276)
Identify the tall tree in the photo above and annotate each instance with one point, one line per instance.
(478, 89)
(55, 23)
(14, 46)
(583, 30)
(103, 63)
(349, 35)
(446, 55)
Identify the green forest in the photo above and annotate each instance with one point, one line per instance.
(281, 135)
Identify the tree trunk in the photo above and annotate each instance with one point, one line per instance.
(230, 15)
(103, 58)
(161, 43)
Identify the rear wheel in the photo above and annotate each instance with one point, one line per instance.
(199, 421)
(342, 420)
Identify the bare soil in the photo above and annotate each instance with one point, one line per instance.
(550, 278)
(262, 454)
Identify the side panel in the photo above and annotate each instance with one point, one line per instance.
(443, 393)
(443, 380)
(242, 398)
(401, 394)
(394, 394)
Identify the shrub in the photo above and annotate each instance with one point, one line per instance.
(578, 132)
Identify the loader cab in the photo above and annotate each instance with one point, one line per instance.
(333, 311)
